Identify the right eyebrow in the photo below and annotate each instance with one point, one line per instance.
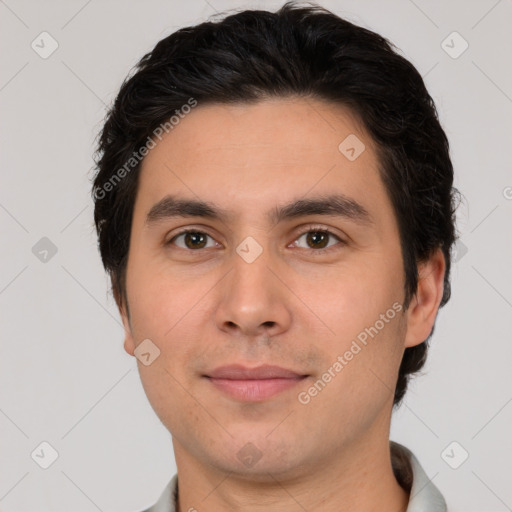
(171, 206)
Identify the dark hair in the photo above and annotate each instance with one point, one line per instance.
(296, 51)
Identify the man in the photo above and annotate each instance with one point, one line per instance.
(274, 205)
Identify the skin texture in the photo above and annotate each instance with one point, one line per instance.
(293, 307)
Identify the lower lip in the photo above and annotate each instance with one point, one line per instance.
(254, 390)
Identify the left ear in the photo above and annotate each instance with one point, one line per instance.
(423, 308)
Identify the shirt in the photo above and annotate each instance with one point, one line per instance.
(424, 495)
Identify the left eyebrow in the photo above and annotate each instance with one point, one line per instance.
(337, 205)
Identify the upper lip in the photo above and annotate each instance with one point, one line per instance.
(239, 372)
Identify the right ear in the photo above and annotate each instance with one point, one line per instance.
(122, 305)
(129, 343)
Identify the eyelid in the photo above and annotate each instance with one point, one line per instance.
(318, 227)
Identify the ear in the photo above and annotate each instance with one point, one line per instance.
(122, 304)
(423, 308)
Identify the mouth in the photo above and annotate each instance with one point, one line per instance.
(253, 384)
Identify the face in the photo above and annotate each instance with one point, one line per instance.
(279, 316)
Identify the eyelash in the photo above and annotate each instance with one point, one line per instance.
(309, 229)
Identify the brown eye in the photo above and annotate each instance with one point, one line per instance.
(318, 239)
(192, 240)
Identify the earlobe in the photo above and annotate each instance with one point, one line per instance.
(424, 305)
(129, 346)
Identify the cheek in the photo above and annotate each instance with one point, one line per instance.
(363, 309)
(164, 309)
(160, 301)
(348, 301)
(359, 375)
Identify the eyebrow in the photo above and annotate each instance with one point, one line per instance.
(337, 205)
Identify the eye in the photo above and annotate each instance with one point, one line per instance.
(192, 240)
(318, 239)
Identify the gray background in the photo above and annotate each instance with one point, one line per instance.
(64, 376)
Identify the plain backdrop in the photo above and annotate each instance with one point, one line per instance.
(64, 376)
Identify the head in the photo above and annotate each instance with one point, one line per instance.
(247, 126)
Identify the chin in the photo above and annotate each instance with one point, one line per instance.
(262, 460)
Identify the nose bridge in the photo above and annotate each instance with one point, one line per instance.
(251, 259)
(251, 285)
(249, 262)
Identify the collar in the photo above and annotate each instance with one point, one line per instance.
(424, 495)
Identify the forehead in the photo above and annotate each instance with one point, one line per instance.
(287, 129)
(239, 153)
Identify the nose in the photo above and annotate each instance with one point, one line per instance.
(253, 302)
